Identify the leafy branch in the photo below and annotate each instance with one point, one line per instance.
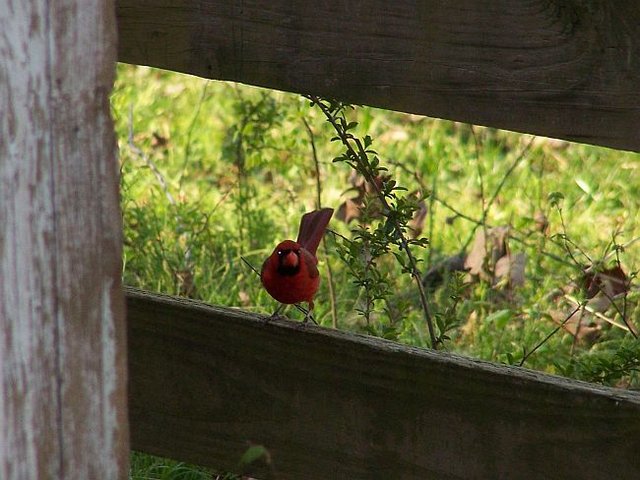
(398, 210)
(316, 163)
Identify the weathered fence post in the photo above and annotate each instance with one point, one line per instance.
(62, 337)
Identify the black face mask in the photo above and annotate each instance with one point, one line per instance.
(288, 270)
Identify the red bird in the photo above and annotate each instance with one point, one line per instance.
(290, 274)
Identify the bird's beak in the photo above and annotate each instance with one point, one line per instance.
(290, 260)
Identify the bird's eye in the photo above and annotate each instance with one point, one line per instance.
(280, 252)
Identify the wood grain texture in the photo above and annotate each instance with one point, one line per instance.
(207, 382)
(62, 333)
(561, 68)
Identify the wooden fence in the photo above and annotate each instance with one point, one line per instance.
(63, 410)
(325, 404)
(208, 382)
(566, 69)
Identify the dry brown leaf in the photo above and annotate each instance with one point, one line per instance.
(474, 262)
(471, 326)
(491, 261)
(159, 141)
(416, 225)
(487, 251)
(600, 303)
(186, 283)
(349, 210)
(582, 325)
(244, 298)
(609, 281)
(511, 267)
(541, 221)
(436, 274)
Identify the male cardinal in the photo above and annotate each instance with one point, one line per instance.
(290, 274)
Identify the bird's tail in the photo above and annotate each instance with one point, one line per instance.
(312, 228)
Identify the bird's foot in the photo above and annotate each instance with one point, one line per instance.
(277, 315)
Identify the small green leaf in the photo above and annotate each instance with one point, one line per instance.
(555, 198)
(584, 186)
(253, 453)
(499, 318)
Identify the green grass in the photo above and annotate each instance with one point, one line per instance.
(212, 172)
(147, 467)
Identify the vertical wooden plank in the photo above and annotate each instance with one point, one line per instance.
(28, 392)
(62, 333)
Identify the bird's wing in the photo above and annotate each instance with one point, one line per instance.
(311, 262)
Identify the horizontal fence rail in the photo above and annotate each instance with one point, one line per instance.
(206, 383)
(567, 69)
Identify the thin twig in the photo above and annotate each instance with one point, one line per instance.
(513, 237)
(187, 148)
(613, 253)
(357, 156)
(332, 293)
(152, 166)
(431, 212)
(610, 321)
(485, 209)
(567, 241)
(593, 266)
(611, 300)
(433, 197)
(627, 285)
(186, 261)
(498, 189)
(546, 339)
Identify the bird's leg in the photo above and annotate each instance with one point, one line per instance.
(309, 314)
(278, 313)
